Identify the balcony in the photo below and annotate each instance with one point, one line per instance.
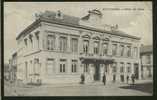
(93, 57)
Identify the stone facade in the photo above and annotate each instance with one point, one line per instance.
(146, 54)
(52, 50)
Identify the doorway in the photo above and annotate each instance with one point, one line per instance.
(136, 69)
(97, 72)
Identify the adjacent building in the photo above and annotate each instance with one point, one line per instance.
(146, 54)
(58, 48)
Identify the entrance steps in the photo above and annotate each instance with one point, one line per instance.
(95, 83)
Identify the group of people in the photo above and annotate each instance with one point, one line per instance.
(104, 79)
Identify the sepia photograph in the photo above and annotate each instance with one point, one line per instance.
(78, 49)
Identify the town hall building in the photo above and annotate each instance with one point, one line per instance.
(58, 48)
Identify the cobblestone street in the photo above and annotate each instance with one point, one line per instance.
(92, 89)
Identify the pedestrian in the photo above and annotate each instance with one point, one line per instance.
(127, 79)
(104, 79)
(133, 79)
(82, 78)
(114, 78)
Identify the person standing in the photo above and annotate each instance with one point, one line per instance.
(82, 78)
(133, 79)
(104, 79)
(127, 79)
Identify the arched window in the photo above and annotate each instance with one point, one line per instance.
(96, 47)
(105, 48)
(85, 46)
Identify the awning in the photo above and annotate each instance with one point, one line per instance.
(97, 60)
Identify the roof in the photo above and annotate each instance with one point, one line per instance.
(146, 49)
(66, 18)
(50, 17)
(95, 11)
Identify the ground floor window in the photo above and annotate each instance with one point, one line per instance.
(121, 67)
(62, 65)
(50, 65)
(86, 66)
(74, 66)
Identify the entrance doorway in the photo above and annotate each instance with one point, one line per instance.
(97, 72)
(136, 69)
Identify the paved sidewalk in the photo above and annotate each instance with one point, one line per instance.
(90, 89)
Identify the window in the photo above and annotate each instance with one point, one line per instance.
(62, 65)
(128, 51)
(26, 68)
(114, 49)
(148, 61)
(85, 46)
(86, 67)
(74, 66)
(128, 67)
(63, 44)
(50, 65)
(96, 47)
(36, 66)
(50, 42)
(25, 41)
(135, 52)
(31, 40)
(74, 45)
(37, 37)
(31, 68)
(121, 67)
(121, 50)
(114, 67)
(105, 48)
(59, 14)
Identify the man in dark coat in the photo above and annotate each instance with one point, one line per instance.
(82, 78)
(104, 79)
(133, 79)
(127, 79)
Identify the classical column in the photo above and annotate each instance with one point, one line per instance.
(118, 49)
(100, 47)
(56, 42)
(109, 51)
(68, 43)
(90, 46)
(80, 45)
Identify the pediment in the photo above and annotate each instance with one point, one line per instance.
(86, 36)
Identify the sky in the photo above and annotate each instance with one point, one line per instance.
(134, 18)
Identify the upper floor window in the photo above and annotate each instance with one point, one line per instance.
(96, 47)
(37, 37)
(63, 44)
(128, 51)
(85, 46)
(114, 67)
(25, 41)
(135, 52)
(74, 66)
(31, 40)
(128, 67)
(50, 42)
(121, 50)
(59, 14)
(105, 48)
(74, 45)
(86, 67)
(114, 49)
(148, 59)
(121, 67)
